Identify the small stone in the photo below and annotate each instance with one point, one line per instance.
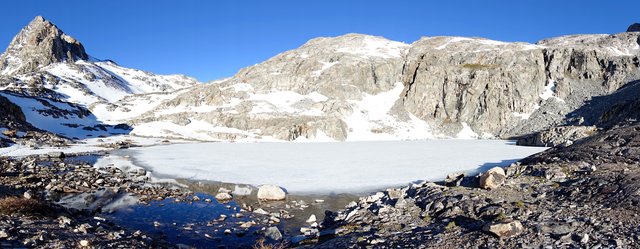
(312, 219)
(585, 239)
(227, 231)
(260, 211)
(274, 219)
(271, 193)
(64, 221)
(247, 224)
(493, 178)
(504, 229)
(56, 154)
(454, 179)
(3, 234)
(273, 233)
(223, 197)
(28, 194)
(84, 243)
(196, 198)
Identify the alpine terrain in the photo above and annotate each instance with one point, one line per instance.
(577, 94)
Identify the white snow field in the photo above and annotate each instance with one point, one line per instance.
(324, 168)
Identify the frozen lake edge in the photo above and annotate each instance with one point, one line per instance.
(328, 168)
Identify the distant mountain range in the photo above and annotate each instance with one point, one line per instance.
(351, 87)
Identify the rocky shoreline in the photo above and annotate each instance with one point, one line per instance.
(71, 203)
(584, 195)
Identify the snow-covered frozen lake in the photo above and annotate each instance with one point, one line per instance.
(324, 168)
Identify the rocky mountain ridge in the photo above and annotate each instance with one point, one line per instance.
(359, 87)
(351, 87)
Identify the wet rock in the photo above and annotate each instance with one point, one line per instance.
(504, 229)
(273, 233)
(3, 234)
(271, 193)
(311, 219)
(493, 178)
(260, 211)
(454, 179)
(223, 197)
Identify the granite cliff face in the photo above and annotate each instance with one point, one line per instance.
(510, 89)
(358, 87)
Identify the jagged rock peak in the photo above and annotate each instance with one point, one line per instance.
(39, 44)
(634, 27)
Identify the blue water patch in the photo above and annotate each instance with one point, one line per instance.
(193, 223)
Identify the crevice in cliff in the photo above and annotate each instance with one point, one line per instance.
(409, 85)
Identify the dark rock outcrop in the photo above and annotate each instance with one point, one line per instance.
(39, 44)
(634, 27)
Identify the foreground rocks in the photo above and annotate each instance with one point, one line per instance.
(557, 136)
(30, 216)
(583, 195)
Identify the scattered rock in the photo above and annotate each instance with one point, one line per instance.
(493, 178)
(28, 194)
(223, 197)
(311, 219)
(261, 211)
(273, 233)
(454, 179)
(504, 229)
(84, 243)
(271, 193)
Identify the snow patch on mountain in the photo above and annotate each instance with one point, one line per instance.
(371, 120)
(377, 47)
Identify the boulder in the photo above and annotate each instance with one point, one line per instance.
(634, 27)
(271, 193)
(493, 178)
(56, 154)
(454, 179)
(223, 197)
(504, 229)
(273, 233)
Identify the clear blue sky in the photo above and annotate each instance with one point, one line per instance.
(214, 39)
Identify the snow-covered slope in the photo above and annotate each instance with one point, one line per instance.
(42, 62)
(62, 118)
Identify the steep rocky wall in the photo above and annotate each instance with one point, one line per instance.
(489, 85)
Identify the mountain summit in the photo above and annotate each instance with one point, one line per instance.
(39, 44)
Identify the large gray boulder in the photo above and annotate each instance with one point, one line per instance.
(271, 193)
(493, 178)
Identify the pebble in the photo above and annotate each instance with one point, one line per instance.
(84, 243)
